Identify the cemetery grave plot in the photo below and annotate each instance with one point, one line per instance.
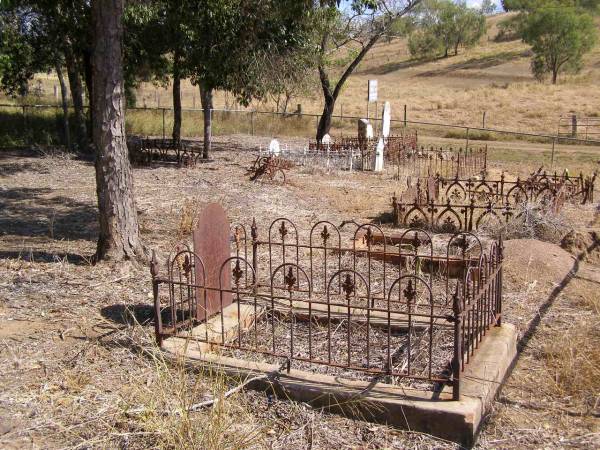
(272, 168)
(145, 151)
(451, 205)
(406, 313)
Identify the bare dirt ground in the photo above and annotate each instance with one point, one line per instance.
(78, 368)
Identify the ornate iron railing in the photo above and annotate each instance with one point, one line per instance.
(390, 306)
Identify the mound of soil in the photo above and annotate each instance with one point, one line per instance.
(583, 244)
(530, 260)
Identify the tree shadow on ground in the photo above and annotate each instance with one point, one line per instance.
(390, 67)
(483, 62)
(129, 314)
(35, 212)
(46, 257)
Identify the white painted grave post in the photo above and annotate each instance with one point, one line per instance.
(274, 147)
(379, 156)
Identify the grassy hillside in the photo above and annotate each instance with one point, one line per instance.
(493, 77)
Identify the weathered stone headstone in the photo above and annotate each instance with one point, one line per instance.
(386, 120)
(211, 244)
(326, 140)
(363, 125)
(370, 134)
(274, 147)
(379, 156)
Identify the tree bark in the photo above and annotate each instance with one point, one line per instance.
(554, 76)
(119, 229)
(330, 96)
(65, 105)
(206, 97)
(176, 98)
(81, 133)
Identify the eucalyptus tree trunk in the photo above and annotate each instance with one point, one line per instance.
(81, 133)
(65, 105)
(176, 97)
(206, 97)
(119, 229)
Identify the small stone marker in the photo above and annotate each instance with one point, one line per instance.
(274, 147)
(370, 134)
(211, 244)
(386, 118)
(379, 156)
(326, 140)
(363, 125)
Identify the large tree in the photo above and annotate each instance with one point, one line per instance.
(40, 35)
(443, 25)
(226, 41)
(119, 229)
(345, 36)
(559, 37)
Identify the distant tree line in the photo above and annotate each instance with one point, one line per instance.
(442, 26)
(560, 33)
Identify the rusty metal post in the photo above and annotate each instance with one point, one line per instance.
(499, 283)
(574, 125)
(155, 283)
(457, 357)
(254, 235)
(395, 207)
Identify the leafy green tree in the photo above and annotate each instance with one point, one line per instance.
(443, 26)
(344, 37)
(559, 37)
(227, 42)
(40, 35)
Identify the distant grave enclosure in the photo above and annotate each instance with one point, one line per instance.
(447, 162)
(272, 168)
(147, 150)
(452, 205)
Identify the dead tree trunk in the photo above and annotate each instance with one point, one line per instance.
(206, 97)
(65, 105)
(81, 134)
(176, 97)
(119, 229)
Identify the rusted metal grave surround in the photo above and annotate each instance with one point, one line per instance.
(446, 162)
(367, 310)
(452, 205)
(270, 167)
(147, 150)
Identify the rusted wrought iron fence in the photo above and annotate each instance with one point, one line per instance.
(143, 150)
(443, 161)
(270, 167)
(451, 205)
(407, 307)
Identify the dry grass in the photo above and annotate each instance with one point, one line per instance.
(74, 365)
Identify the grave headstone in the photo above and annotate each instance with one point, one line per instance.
(211, 244)
(386, 119)
(363, 125)
(370, 134)
(326, 140)
(379, 156)
(274, 147)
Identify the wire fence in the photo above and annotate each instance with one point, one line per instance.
(23, 125)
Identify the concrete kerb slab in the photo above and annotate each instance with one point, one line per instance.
(410, 409)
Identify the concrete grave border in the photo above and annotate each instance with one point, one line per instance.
(433, 413)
